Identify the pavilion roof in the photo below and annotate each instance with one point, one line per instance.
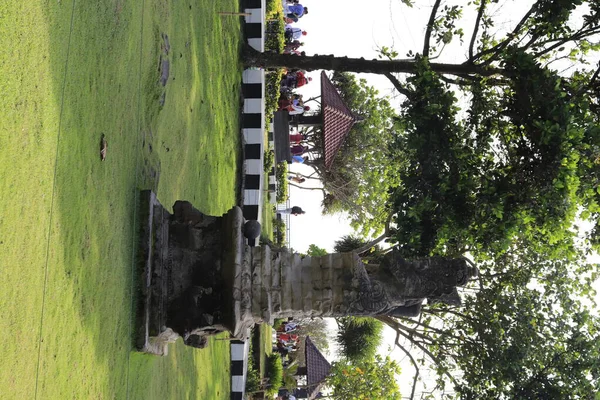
(338, 119)
(317, 368)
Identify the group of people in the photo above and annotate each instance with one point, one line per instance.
(288, 100)
(294, 79)
(286, 341)
(293, 11)
(293, 103)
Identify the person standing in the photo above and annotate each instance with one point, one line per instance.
(292, 211)
(292, 33)
(294, 11)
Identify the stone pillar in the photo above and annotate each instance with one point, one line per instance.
(337, 285)
(200, 278)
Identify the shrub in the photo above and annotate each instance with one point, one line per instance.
(277, 322)
(279, 231)
(282, 182)
(269, 160)
(275, 374)
(252, 380)
(272, 93)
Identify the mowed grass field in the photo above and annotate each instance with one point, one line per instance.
(70, 72)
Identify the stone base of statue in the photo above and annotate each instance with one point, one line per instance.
(200, 278)
(191, 266)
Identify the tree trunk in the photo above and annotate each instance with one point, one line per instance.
(330, 62)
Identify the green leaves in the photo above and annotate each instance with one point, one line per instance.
(358, 337)
(367, 380)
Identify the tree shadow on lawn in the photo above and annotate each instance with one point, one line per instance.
(87, 324)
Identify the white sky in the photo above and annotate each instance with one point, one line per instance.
(356, 28)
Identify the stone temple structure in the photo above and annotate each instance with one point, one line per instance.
(200, 278)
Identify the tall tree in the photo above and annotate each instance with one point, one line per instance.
(526, 332)
(526, 156)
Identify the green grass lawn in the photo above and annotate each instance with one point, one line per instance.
(70, 72)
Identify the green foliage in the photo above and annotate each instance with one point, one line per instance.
(274, 43)
(273, 10)
(279, 229)
(363, 171)
(358, 337)
(348, 243)
(281, 174)
(253, 374)
(315, 251)
(275, 374)
(277, 322)
(272, 85)
(367, 380)
(274, 37)
(480, 183)
(527, 333)
(268, 160)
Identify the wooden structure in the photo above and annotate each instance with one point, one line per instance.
(336, 119)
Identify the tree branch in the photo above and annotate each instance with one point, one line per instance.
(590, 83)
(430, 27)
(509, 38)
(372, 243)
(476, 28)
(421, 347)
(581, 34)
(307, 177)
(414, 363)
(397, 84)
(306, 188)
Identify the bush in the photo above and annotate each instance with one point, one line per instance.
(275, 374)
(274, 36)
(281, 174)
(277, 322)
(269, 160)
(279, 231)
(274, 9)
(252, 380)
(272, 93)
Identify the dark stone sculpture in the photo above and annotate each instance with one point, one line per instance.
(399, 286)
(201, 277)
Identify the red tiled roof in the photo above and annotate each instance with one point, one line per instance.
(317, 368)
(337, 119)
